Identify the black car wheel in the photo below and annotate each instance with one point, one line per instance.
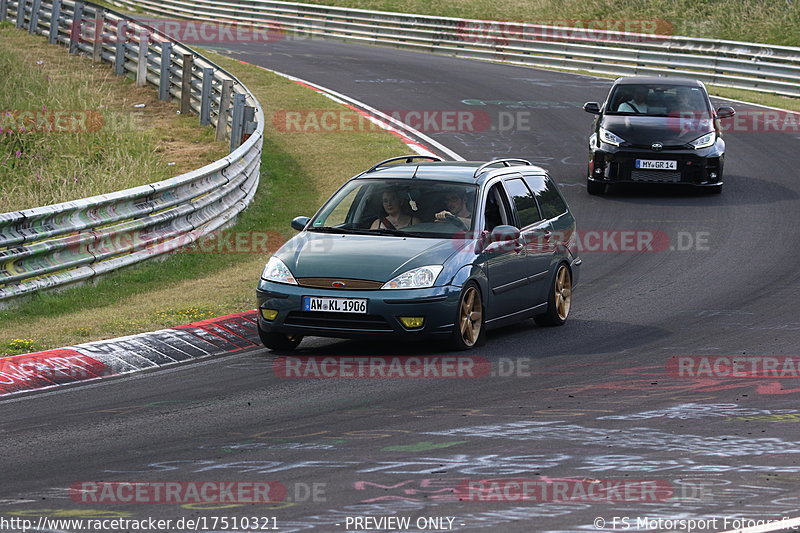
(559, 300)
(469, 330)
(279, 342)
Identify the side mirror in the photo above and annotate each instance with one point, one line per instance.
(300, 223)
(592, 107)
(725, 111)
(504, 234)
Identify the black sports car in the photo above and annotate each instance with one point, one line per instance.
(656, 130)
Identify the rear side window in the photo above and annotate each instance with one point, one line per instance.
(550, 201)
(523, 199)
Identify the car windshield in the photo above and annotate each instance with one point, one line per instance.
(658, 101)
(418, 208)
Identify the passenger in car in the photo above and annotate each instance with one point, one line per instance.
(395, 206)
(456, 203)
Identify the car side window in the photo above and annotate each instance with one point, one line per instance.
(522, 197)
(496, 211)
(549, 199)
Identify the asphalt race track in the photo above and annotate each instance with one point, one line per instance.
(596, 403)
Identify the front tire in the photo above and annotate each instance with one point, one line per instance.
(559, 300)
(470, 327)
(279, 342)
(594, 188)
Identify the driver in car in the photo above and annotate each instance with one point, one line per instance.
(637, 104)
(456, 203)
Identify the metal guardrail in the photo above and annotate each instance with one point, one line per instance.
(66, 243)
(753, 66)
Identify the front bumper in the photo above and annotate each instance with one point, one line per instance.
(701, 168)
(438, 305)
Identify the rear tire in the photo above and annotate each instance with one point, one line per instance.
(594, 188)
(470, 326)
(279, 342)
(559, 300)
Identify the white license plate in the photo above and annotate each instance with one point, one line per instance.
(335, 305)
(656, 164)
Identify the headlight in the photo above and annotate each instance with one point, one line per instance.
(609, 138)
(418, 278)
(276, 271)
(704, 141)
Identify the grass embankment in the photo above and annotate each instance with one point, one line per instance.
(102, 143)
(298, 171)
(761, 21)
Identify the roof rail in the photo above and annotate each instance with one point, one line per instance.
(408, 159)
(506, 162)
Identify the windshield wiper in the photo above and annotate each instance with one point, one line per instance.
(387, 231)
(331, 229)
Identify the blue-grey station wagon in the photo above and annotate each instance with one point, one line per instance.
(416, 247)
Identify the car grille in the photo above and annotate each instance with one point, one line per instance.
(342, 283)
(313, 319)
(649, 147)
(657, 176)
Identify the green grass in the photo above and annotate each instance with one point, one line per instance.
(105, 144)
(763, 21)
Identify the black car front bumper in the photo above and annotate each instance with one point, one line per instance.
(702, 168)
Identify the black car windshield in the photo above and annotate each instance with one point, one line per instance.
(413, 208)
(658, 101)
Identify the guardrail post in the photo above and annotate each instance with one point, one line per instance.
(119, 48)
(55, 22)
(3, 10)
(205, 97)
(186, 84)
(248, 122)
(97, 44)
(166, 65)
(141, 67)
(75, 30)
(224, 109)
(21, 13)
(237, 124)
(34, 24)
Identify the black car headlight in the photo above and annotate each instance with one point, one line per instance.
(610, 138)
(704, 141)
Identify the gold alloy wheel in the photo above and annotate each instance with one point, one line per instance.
(563, 292)
(470, 316)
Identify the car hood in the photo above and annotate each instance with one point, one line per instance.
(369, 257)
(671, 130)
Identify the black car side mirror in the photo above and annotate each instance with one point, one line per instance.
(725, 111)
(299, 223)
(592, 107)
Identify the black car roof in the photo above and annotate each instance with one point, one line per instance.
(638, 80)
(454, 171)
